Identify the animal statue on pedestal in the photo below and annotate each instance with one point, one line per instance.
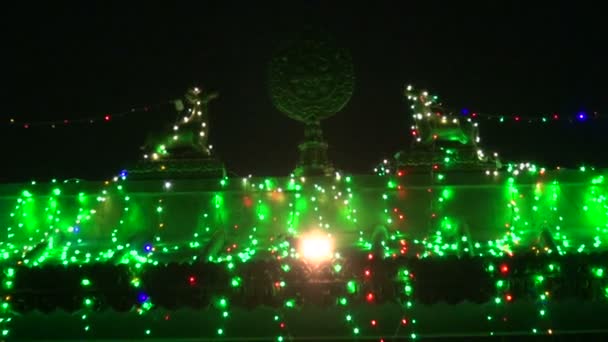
(434, 125)
(189, 135)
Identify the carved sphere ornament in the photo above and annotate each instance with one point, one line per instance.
(311, 79)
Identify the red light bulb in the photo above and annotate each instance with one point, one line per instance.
(504, 268)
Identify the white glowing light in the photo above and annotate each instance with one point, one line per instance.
(316, 247)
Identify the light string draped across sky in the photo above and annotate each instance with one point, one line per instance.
(73, 121)
(580, 116)
(107, 117)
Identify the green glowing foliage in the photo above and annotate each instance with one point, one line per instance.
(531, 211)
(262, 211)
(218, 201)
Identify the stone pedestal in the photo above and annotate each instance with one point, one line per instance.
(313, 153)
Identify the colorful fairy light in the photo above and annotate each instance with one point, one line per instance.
(191, 130)
(372, 233)
(532, 119)
(84, 120)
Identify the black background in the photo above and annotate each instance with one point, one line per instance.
(73, 60)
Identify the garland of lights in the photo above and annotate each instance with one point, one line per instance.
(523, 277)
(284, 281)
(580, 116)
(227, 264)
(192, 131)
(431, 122)
(103, 118)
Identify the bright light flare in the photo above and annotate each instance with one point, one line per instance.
(316, 247)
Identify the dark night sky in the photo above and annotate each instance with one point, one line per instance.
(80, 60)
